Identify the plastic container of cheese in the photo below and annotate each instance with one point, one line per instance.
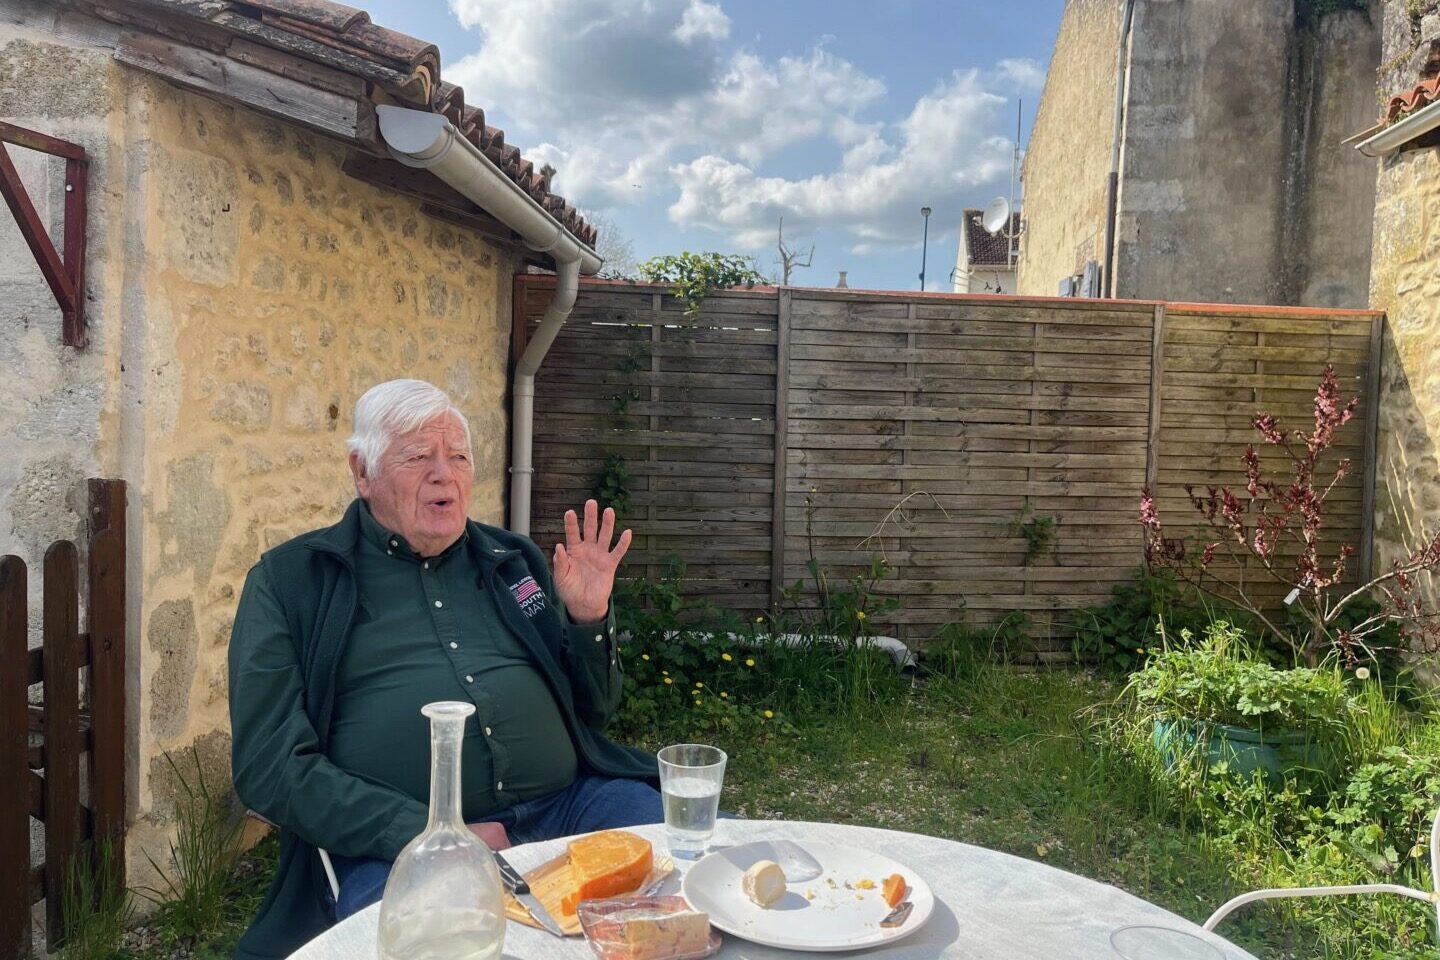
(647, 928)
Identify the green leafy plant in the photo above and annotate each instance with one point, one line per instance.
(1119, 635)
(96, 906)
(1220, 680)
(611, 487)
(697, 275)
(634, 361)
(194, 903)
(1312, 11)
(1037, 531)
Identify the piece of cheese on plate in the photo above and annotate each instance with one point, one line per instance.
(647, 934)
(764, 882)
(606, 865)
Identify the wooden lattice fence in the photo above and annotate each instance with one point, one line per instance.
(784, 423)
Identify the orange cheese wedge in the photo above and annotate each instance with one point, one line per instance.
(606, 865)
(893, 889)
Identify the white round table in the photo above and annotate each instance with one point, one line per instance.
(988, 904)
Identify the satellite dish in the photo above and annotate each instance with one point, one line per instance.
(996, 216)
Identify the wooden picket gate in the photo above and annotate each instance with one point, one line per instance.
(42, 744)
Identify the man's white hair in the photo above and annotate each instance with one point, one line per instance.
(394, 407)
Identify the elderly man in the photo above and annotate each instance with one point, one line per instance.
(342, 634)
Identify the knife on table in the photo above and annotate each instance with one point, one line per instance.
(520, 889)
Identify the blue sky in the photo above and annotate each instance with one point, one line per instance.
(698, 124)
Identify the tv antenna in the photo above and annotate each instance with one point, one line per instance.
(999, 215)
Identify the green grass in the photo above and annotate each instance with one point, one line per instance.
(161, 937)
(1003, 760)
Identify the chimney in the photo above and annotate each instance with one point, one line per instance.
(841, 284)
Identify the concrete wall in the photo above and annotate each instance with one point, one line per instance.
(1202, 153)
(1405, 283)
(1067, 159)
(243, 292)
(1233, 185)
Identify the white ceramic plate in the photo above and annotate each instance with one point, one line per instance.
(830, 913)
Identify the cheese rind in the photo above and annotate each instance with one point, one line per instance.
(606, 865)
(764, 882)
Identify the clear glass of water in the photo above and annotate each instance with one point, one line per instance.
(691, 775)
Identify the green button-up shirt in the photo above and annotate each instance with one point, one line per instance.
(428, 630)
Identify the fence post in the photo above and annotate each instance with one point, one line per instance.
(14, 769)
(1372, 444)
(62, 729)
(106, 619)
(782, 443)
(1157, 379)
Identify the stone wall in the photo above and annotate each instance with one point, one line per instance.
(1405, 283)
(1067, 160)
(1233, 185)
(243, 293)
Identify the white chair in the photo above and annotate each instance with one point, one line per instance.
(1432, 897)
(324, 859)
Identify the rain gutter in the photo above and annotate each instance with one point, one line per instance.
(1395, 136)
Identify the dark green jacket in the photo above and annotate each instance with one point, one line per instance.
(295, 615)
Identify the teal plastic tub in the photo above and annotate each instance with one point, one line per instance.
(1243, 750)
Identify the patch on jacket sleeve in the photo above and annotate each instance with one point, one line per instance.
(529, 595)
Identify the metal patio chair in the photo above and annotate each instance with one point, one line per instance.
(1431, 897)
(324, 858)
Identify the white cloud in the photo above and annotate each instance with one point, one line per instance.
(1021, 72)
(939, 155)
(642, 100)
(702, 19)
(560, 62)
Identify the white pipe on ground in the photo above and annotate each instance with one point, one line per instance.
(428, 141)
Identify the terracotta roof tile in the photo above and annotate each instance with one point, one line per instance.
(986, 249)
(1422, 94)
(343, 39)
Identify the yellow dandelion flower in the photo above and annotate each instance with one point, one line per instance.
(726, 657)
(644, 656)
(859, 614)
(665, 673)
(697, 703)
(749, 662)
(759, 619)
(699, 685)
(724, 695)
(769, 714)
(668, 680)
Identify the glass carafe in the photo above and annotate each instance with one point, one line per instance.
(443, 900)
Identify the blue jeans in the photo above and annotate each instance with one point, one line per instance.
(590, 803)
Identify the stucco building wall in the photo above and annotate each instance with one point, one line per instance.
(1405, 283)
(1233, 187)
(242, 293)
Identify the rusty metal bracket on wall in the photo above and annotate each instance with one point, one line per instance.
(66, 277)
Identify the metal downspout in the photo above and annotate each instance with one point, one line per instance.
(1112, 185)
(522, 433)
(428, 141)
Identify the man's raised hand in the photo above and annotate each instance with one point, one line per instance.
(585, 564)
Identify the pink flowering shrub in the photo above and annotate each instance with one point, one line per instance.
(1277, 524)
